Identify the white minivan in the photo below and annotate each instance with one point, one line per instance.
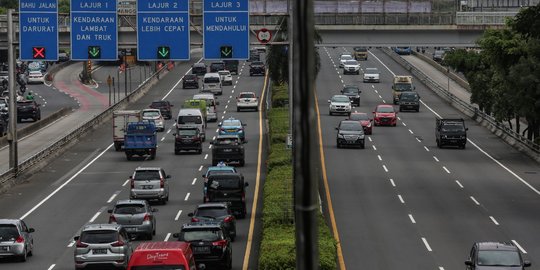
(212, 83)
(191, 118)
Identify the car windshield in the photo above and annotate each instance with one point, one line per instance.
(184, 119)
(223, 72)
(190, 78)
(211, 80)
(201, 235)
(129, 209)
(257, 63)
(360, 49)
(99, 237)
(385, 109)
(351, 62)
(346, 57)
(147, 175)
(187, 132)
(231, 123)
(453, 127)
(359, 116)
(211, 212)
(8, 232)
(402, 87)
(151, 114)
(372, 71)
(350, 126)
(222, 182)
(350, 90)
(498, 258)
(247, 95)
(159, 267)
(340, 99)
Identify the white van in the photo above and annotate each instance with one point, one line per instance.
(191, 118)
(212, 83)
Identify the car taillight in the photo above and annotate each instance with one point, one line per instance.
(194, 219)
(220, 243)
(132, 183)
(112, 219)
(228, 219)
(19, 239)
(146, 217)
(117, 244)
(221, 129)
(162, 183)
(243, 197)
(81, 244)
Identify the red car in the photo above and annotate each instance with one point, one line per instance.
(364, 120)
(385, 115)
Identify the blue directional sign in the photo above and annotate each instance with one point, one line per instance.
(94, 30)
(163, 30)
(226, 29)
(38, 33)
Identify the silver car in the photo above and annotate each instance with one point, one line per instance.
(102, 245)
(15, 239)
(136, 216)
(150, 184)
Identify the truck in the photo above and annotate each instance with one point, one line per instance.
(140, 139)
(360, 53)
(120, 121)
(401, 84)
(450, 131)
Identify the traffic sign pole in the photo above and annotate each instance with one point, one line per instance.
(12, 132)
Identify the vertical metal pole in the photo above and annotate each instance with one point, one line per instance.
(290, 30)
(114, 91)
(130, 81)
(12, 135)
(125, 81)
(305, 147)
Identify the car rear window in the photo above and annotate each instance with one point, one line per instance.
(151, 114)
(8, 232)
(99, 237)
(189, 119)
(232, 123)
(129, 209)
(211, 212)
(214, 172)
(146, 175)
(158, 267)
(222, 182)
(498, 258)
(350, 90)
(159, 103)
(385, 109)
(247, 95)
(211, 80)
(201, 235)
(359, 116)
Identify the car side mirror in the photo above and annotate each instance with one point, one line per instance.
(526, 263)
(168, 176)
(176, 235)
(155, 210)
(190, 214)
(469, 263)
(109, 211)
(76, 238)
(246, 184)
(174, 134)
(217, 102)
(373, 111)
(31, 230)
(337, 128)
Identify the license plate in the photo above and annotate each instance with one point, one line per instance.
(4, 248)
(227, 150)
(148, 187)
(231, 130)
(131, 229)
(99, 251)
(201, 249)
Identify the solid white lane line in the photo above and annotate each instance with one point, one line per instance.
(392, 182)
(374, 148)
(178, 82)
(401, 199)
(474, 200)
(178, 215)
(384, 167)
(435, 158)
(379, 157)
(113, 196)
(187, 196)
(426, 244)
(200, 168)
(206, 156)
(520, 248)
(418, 140)
(51, 267)
(65, 183)
(459, 184)
(447, 171)
(167, 237)
(410, 131)
(494, 220)
(412, 219)
(96, 215)
(426, 148)
(194, 181)
(125, 183)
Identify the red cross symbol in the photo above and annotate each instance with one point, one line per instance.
(38, 52)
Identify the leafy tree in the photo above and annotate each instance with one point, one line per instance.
(8, 4)
(63, 6)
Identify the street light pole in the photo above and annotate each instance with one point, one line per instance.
(12, 134)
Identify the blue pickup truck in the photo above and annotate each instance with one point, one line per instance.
(140, 139)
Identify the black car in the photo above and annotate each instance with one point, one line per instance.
(350, 133)
(4, 120)
(217, 66)
(495, 255)
(216, 212)
(409, 100)
(210, 243)
(353, 93)
(164, 106)
(438, 56)
(190, 81)
(257, 68)
(198, 69)
(450, 131)
(230, 188)
(228, 148)
(232, 66)
(28, 109)
(187, 139)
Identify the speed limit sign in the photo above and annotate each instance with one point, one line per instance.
(264, 36)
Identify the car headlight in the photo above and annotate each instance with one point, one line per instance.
(361, 137)
(369, 125)
(240, 131)
(341, 136)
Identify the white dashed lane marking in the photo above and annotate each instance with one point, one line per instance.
(426, 244)
(167, 237)
(194, 181)
(426, 148)
(519, 246)
(474, 200)
(178, 215)
(187, 196)
(447, 171)
(459, 184)
(401, 199)
(412, 219)
(392, 182)
(113, 196)
(494, 221)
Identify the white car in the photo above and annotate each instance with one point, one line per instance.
(36, 77)
(343, 58)
(340, 104)
(226, 77)
(247, 100)
(351, 67)
(154, 115)
(371, 75)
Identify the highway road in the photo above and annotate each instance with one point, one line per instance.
(80, 185)
(402, 203)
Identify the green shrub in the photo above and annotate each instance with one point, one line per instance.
(277, 194)
(280, 96)
(279, 156)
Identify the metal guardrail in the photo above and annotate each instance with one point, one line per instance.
(531, 148)
(483, 18)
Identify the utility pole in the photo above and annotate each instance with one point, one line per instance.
(306, 144)
(290, 30)
(12, 134)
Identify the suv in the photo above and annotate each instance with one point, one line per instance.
(228, 187)
(149, 184)
(28, 109)
(247, 100)
(15, 239)
(360, 53)
(102, 245)
(450, 131)
(164, 107)
(198, 69)
(190, 81)
(210, 243)
(351, 67)
(228, 148)
(339, 104)
(216, 212)
(495, 255)
(353, 92)
(350, 133)
(186, 139)
(217, 66)
(257, 68)
(409, 100)
(221, 168)
(136, 216)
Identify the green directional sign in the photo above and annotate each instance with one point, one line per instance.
(163, 52)
(226, 52)
(94, 52)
